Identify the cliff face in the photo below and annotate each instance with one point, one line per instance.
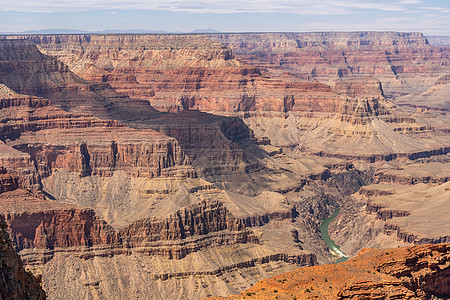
(16, 283)
(26, 70)
(404, 273)
(401, 207)
(348, 118)
(389, 56)
(194, 72)
(51, 225)
(52, 235)
(129, 202)
(53, 139)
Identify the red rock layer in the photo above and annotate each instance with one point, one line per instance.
(49, 138)
(21, 165)
(15, 282)
(7, 181)
(38, 223)
(208, 140)
(26, 70)
(338, 54)
(214, 145)
(403, 273)
(186, 72)
(35, 222)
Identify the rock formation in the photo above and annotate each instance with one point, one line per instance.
(27, 71)
(185, 72)
(403, 273)
(394, 58)
(216, 82)
(227, 185)
(16, 283)
(401, 207)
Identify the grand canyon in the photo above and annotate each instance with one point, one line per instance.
(189, 166)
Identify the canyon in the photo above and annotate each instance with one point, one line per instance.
(192, 166)
(418, 272)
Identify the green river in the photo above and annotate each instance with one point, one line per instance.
(326, 237)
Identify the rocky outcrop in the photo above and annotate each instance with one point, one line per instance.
(61, 227)
(7, 181)
(26, 70)
(391, 215)
(55, 139)
(21, 165)
(15, 282)
(140, 153)
(330, 55)
(435, 173)
(273, 164)
(187, 72)
(205, 137)
(44, 224)
(417, 272)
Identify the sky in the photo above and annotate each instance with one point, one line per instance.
(431, 17)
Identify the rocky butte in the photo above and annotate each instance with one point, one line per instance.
(192, 166)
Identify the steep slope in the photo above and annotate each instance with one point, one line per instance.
(404, 273)
(435, 98)
(71, 175)
(395, 58)
(350, 117)
(184, 72)
(27, 71)
(48, 138)
(16, 283)
(404, 205)
(55, 238)
(129, 202)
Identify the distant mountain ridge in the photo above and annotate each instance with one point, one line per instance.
(439, 40)
(107, 31)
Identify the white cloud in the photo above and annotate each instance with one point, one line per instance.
(428, 24)
(307, 7)
(410, 2)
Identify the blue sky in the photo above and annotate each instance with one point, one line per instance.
(429, 17)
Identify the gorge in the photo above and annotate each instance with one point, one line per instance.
(193, 166)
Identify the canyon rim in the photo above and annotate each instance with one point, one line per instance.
(203, 165)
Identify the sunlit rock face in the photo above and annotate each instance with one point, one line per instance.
(253, 142)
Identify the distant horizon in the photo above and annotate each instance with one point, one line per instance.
(430, 17)
(63, 31)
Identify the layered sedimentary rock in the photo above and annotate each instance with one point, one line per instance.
(16, 283)
(48, 138)
(434, 98)
(394, 58)
(49, 234)
(417, 272)
(103, 102)
(26, 70)
(400, 207)
(212, 80)
(440, 41)
(49, 237)
(185, 72)
(222, 84)
(433, 172)
(188, 76)
(210, 204)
